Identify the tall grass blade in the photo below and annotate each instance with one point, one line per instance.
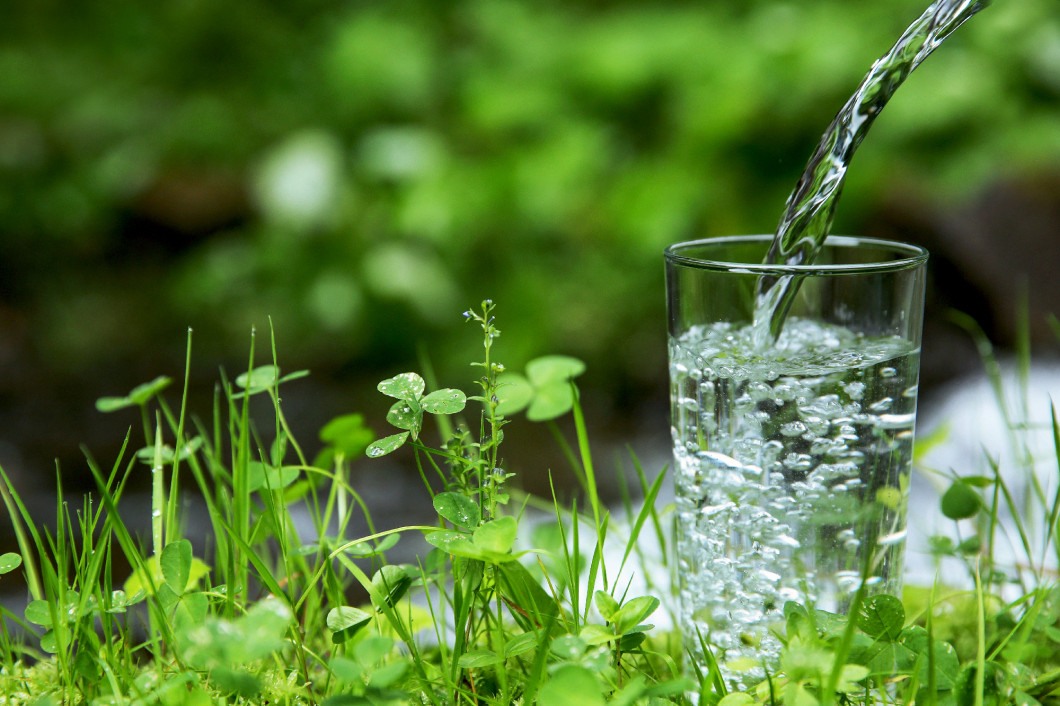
(20, 519)
(648, 509)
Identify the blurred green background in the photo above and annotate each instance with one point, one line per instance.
(363, 171)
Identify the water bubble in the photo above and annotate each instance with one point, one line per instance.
(881, 406)
(796, 428)
(855, 390)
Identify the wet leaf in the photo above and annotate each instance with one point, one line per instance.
(386, 445)
(9, 562)
(38, 613)
(406, 415)
(455, 543)
(882, 617)
(407, 386)
(458, 509)
(445, 401)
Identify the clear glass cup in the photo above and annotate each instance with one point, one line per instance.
(792, 458)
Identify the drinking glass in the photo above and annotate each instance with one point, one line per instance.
(792, 456)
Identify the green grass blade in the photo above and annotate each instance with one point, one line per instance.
(647, 510)
(20, 519)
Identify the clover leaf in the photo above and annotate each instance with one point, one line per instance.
(544, 391)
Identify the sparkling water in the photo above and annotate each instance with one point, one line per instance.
(792, 467)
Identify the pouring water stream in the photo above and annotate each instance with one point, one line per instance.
(810, 208)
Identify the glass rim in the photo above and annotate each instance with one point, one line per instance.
(908, 256)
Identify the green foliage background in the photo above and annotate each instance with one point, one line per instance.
(361, 171)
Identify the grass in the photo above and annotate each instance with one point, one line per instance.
(503, 608)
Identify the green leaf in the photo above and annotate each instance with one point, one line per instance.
(386, 445)
(176, 565)
(536, 607)
(407, 386)
(514, 393)
(38, 613)
(9, 562)
(882, 617)
(113, 404)
(236, 681)
(344, 622)
(191, 610)
(455, 543)
(445, 401)
(392, 582)
(406, 414)
(262, 477)
(261, 378)
(48, 642)
(571, 685)
(552, 369)
(736, 698)
(521, 644)
(388, 674)
(960, 501)
(849, 678)
(142, 394)
(496, 536)
(458, 509)
(607, 606)
(147, 454)
(372, 650)
(947, 666)
(633, 613)
(479, 658)
(368, 549)
(119, 601)
(551, 401)
(346, 670)
(137, 583)
(166, 597)
(593, 634)
(346, 700)
(348, 434)
(890, 658)
(568, 647)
